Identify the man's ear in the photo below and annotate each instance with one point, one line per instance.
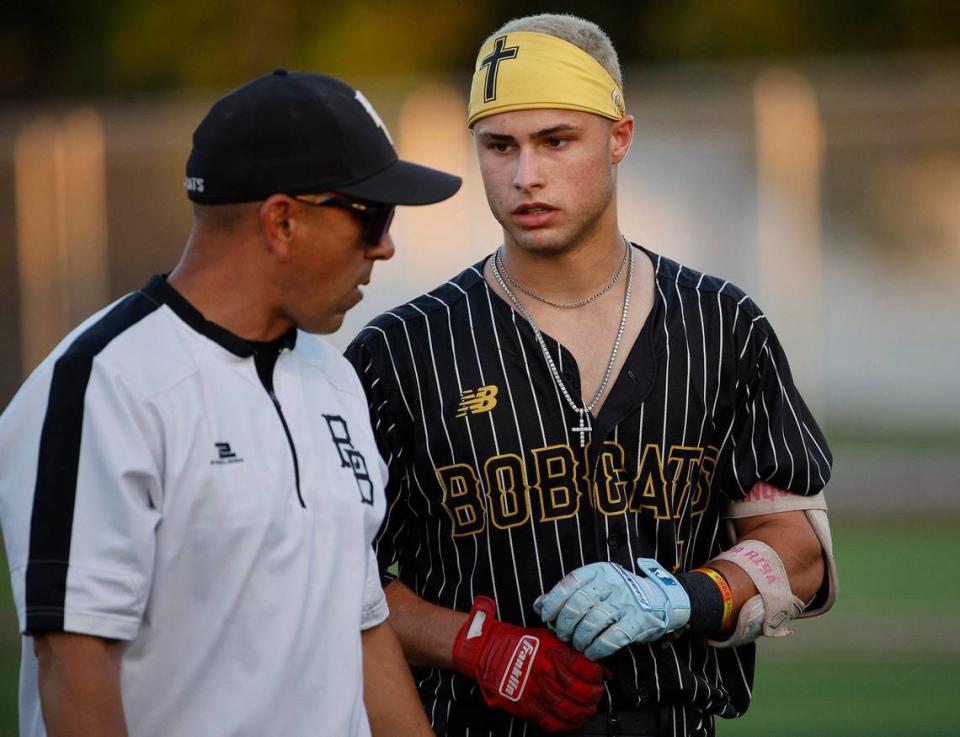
(279, 220)
(621, 136)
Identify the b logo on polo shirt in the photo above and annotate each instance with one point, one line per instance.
(350, 457)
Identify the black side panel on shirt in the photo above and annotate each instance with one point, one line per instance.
(51, 521)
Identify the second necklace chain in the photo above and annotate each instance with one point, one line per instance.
(561, 305)
(585, 426)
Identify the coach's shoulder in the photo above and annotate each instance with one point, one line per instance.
(337, 370)
(130, 342)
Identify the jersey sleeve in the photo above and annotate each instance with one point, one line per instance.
(771, 435)
(390, 427)
(375, 608)
(86, 504)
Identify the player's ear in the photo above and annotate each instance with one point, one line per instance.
(280, 218)
(621, 136)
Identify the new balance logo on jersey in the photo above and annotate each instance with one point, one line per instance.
(350, 457)
(225, 454)
(483, 399)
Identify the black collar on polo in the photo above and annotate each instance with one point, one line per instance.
(159, 290)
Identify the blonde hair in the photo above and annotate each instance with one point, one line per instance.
(584, 34)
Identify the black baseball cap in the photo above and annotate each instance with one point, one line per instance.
(298, 133)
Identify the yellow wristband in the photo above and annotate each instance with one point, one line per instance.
(725, 593)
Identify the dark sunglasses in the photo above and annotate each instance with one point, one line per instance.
(376, 218)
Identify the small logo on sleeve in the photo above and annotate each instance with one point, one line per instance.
(483, 399)
(225, 454)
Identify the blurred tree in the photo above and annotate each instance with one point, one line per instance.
(52, 47)
(120, 46)
(198, 43)
(745, 28)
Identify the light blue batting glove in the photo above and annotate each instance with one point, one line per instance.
(602, 607)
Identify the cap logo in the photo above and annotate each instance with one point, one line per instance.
(373, 114)
(193, 184)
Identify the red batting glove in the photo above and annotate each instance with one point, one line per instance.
(527, 672)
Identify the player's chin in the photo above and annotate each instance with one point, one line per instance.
(541, 240)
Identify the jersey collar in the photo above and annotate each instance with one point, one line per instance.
(630, 387)
(159, 290)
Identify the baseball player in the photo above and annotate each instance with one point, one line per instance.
(578, 430)
(190, 484)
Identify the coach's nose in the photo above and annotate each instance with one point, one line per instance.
(384, 250)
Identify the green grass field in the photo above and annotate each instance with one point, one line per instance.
(885, 661)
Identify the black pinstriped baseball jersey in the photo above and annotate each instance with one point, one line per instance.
(490, 492)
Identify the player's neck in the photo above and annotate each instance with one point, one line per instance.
(569, 275)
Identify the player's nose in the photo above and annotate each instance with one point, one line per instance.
(528, 175)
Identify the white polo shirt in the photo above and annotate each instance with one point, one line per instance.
(164, 482)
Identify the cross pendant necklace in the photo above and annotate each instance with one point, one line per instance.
(584, 427)
(583, 413)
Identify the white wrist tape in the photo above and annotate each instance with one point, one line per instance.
(766, 570)
(768, 612)
(767, 499)
(749, 625)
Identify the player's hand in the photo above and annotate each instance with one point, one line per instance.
(602, 607)
(527, 672)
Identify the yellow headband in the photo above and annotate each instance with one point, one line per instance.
(524, 71)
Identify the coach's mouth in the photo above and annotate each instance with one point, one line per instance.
(358, 287)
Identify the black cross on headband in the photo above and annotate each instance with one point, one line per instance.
(492, 62)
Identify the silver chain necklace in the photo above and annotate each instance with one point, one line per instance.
(583, 427)
(561, 305)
